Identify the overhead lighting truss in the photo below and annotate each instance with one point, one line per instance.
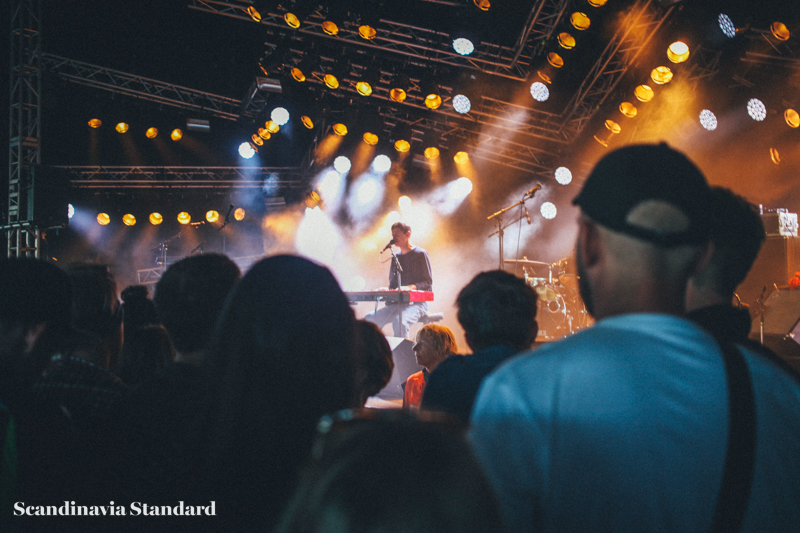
(123, 177)
(140, 87)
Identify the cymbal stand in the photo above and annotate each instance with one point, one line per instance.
(498, 216)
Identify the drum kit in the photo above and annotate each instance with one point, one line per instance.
(561, 310)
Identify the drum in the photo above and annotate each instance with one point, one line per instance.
(566, 271)
(560, 310)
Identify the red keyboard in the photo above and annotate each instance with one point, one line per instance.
(390, 296)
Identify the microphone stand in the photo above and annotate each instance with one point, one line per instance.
(498, 216)
(397, 269)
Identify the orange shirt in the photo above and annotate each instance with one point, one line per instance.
(415, 386)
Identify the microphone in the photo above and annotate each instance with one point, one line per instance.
(228, 216)
(528, 216)
(388, 246)
(198, 223)
(533, 191)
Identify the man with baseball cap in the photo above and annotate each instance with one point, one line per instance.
(644, 422)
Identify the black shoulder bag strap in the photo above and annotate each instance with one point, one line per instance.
(737, 477)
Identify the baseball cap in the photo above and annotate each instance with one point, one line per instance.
(626, 177)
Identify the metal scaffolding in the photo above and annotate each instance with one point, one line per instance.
(124, 177)
(24, 239)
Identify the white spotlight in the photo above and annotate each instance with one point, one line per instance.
(726, 25)
(404, 202)
(539, 91)
(461, 104)
(342, 164)
(330, 186)
(708, 120)
(459, 189)
(279, 116)
(463, 46)
(563, 175)
(246, 151)
(548, 210)
(756, 109)
(70, 210)
(381, 163)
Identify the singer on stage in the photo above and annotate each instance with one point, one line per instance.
(415, 275)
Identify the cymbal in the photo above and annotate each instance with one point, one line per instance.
(526, 262)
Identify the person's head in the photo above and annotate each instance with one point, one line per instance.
(190, 296)
(644, 230)
(146, 349)
(737, 233)
(434, 344)
(138, 309)
(392, 472)
(96, 311)
(35, 310)
(401, 233)
(282, 355)
(497, 308)
(375, 363)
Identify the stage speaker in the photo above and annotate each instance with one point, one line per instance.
(48, 196)
(777, 261)
(781, 313)
(405, 364)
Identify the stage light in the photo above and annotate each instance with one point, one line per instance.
(272, 126)
(156, 219)
(257, 140)
(661, 75)
(775, 156)
(264, 134)
(370, 138)
(399, 87)
(539, 91)
(596, 3)
(254, 14)
(212, 216)
(678, 52)
(305, 67)
(756, 109)
(246, 150)
(555, 60)
(461, 158)
(279, 116)
(563, 176)
(430, 143)
(431, 91)
(402, 137)
(792, 118)
(128, 219)
(404, 202)
(461, 104)
(340, 129)
(296, 13)
(176, 134)
(644, 93)
(381, 163)
(122, 127)
(611, 129)
(70, 210)
(628, 109)
(726, 25)
(342, 164)
(184, 217)
(238, 214)
(780, 31)
(431, 152)
(95, 123)
(369, 80)
(566, 41)
(334, 75)
(463, 46)
(103, 219)
(580, 21)
(708, 120)
(548, 210)
(483, 5)
(151, 133)
(402, 145)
